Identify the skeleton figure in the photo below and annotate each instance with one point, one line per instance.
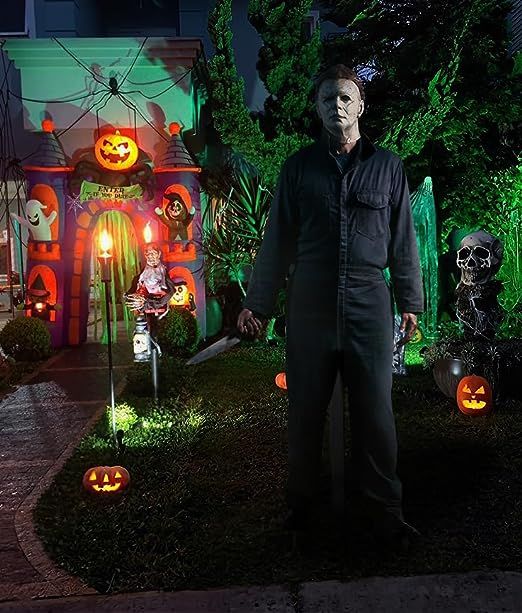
(479, 258)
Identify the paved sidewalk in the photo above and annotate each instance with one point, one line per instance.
(479, 592)
(41, 423)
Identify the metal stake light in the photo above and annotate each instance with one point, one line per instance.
(105, 261)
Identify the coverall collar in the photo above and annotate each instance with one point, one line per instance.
(366, 147)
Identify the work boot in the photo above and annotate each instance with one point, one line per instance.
(398, 536)
(386, 525)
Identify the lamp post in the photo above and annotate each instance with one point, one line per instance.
(105, 260)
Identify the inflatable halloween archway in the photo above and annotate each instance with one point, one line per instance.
(114, 185)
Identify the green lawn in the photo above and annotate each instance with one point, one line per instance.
(208, 469)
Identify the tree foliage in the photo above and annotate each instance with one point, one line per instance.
(285, 73)
(442, 91)
(461, 130)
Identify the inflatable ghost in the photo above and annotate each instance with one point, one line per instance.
(39, 225)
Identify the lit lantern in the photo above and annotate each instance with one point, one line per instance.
(105, 244)
(280, 380)
(106, 479)
(105, 256)
(115, 151)
(474, 395)
(147, 233)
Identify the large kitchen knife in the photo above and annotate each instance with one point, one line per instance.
(224, 344)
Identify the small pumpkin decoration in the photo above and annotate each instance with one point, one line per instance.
(474, 395)
(106, 479)
(116, 151)
(280, 380)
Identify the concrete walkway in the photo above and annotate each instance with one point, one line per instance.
(478, 592)
(40, 425)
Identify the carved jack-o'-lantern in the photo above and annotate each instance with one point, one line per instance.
(115, 151)
(280, 380)
(474, 395)
(106, 479)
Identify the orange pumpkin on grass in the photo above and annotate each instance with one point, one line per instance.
(106, 479)
(474, 395)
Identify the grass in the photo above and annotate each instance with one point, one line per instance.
(208, 469)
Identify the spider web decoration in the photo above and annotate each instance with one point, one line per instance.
(74, 204)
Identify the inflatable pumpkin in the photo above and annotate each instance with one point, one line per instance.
(115, 151)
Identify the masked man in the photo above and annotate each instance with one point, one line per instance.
(340, 215)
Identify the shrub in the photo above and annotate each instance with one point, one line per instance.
(178, 333)
(26, 339)
(126, 417)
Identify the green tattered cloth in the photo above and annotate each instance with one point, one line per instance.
(95, 191)
(425, 221)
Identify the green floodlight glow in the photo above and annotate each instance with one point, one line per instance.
(424, 219)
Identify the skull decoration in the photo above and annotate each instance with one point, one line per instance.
(141, 340)
(182, 297)
(479, 257)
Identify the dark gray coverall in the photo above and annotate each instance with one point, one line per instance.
(333, 233)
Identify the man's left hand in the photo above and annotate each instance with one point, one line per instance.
(408, 325)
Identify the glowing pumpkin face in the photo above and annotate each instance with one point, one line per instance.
(115, 151)
(474, 395)
(106, 479)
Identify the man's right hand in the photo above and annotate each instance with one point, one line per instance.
(249, 325)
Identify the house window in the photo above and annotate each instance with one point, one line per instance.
(13, 21)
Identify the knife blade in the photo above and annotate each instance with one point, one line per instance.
(224, 344)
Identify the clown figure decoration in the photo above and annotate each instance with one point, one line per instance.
(176, 216)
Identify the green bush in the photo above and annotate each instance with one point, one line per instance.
(178, 333)
(26, 339)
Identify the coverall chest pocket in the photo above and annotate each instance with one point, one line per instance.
(372, 213)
